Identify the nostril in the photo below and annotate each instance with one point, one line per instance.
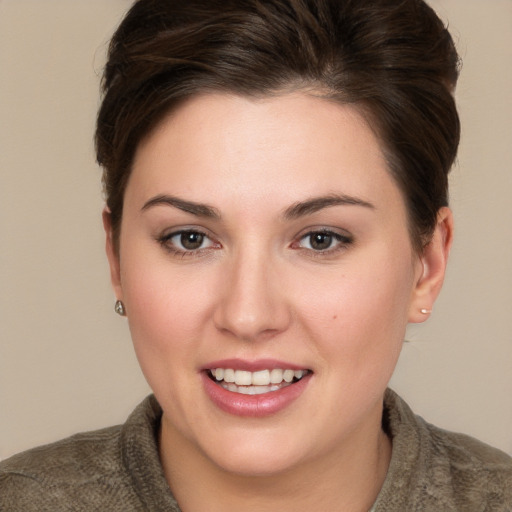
(249, 303)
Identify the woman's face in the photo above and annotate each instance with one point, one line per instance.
(260, 236)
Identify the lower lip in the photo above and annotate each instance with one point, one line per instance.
(253, 405)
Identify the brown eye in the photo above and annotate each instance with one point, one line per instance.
(324, 241)
(191, 240)
(320, 241)
(188, 241)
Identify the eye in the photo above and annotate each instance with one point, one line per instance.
(186, 241)
(317, 241)
(323, 241)
(190, 240)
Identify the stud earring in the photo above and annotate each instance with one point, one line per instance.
(119, 308)
(425, 311)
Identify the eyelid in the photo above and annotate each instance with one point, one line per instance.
(343, 237)
(166, 236)
(178, 235)
(328, 230)
(187, 228)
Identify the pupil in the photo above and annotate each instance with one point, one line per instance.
(321, 241)
(192, 240)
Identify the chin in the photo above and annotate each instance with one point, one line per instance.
(255, 462)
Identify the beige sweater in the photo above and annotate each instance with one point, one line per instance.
(118, 469)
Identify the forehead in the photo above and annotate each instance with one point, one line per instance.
(225, 146)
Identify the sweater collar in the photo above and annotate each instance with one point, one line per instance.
(139, 451)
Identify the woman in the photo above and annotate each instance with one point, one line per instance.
(276, 185)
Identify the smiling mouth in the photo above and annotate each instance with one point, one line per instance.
(255, 383)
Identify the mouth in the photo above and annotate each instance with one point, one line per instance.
(256, 383)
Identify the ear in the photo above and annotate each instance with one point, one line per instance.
(433, 261)
(112, 254)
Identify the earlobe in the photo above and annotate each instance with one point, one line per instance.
(112, 254)
(434, 260)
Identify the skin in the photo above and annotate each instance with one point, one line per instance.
(257, 288)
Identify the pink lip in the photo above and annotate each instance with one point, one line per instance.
(252, 366)
(253, 405)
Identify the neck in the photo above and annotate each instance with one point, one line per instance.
(348, 479)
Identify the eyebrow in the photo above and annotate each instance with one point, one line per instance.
(315, 204)
(296, 210)
(198, 209)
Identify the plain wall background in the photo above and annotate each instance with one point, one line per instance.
(66, 361)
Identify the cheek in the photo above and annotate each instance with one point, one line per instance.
(166, 308)
(360, 314)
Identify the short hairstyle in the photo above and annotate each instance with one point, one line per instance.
(393, 60)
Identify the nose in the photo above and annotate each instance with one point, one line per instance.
(252, 301)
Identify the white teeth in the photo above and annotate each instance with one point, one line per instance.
(252, 390)
(229, 375)
(243, 378)
(276, 376)
(288, 375)
(261, 378)
(255, 383)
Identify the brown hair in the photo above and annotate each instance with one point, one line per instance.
(394, 60)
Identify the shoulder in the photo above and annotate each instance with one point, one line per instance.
(433, 469)
(54, 474)
(114, 469)
(479, 472)
(77, 453)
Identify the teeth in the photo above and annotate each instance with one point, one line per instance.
(229, 375)
(243, 378)
(276, 376)
(288, 375)
(252, 390)
(261, 378)
(233, 379)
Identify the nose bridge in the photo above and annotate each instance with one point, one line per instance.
(252, 303)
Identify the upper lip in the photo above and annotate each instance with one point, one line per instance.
(252, 366)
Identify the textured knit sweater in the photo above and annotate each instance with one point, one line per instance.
(118, 469)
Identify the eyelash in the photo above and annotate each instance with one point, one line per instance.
(341, 242)
(166, 242)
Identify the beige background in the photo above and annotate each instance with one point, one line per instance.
(66, 362)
